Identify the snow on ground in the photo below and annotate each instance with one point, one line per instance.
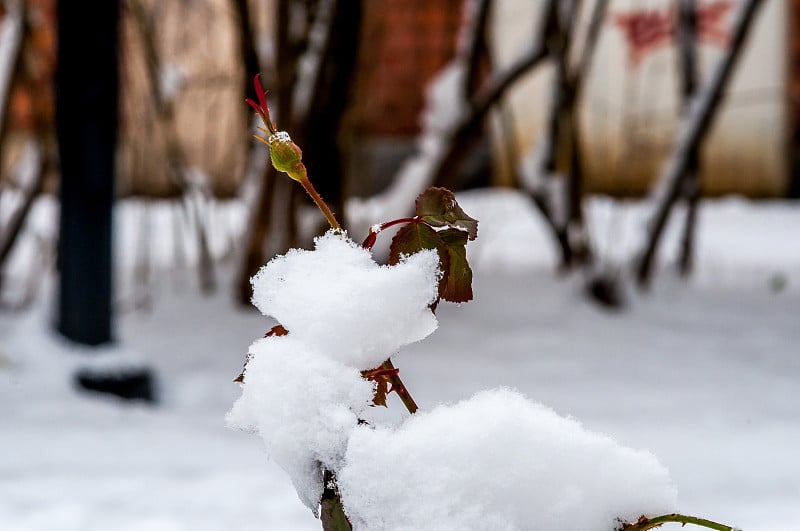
(705, 375)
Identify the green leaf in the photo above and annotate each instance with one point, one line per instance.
(438, 207)
(415, 237)
(459, 276)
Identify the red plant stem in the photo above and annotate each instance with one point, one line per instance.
(321, 204)
(394, 378)
(399, 387)
(369, 241)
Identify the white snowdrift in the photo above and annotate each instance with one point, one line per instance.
(497, 461)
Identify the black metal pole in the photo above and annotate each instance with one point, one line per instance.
(87, 82)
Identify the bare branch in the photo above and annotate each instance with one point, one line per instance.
(589, 45)
(474, 42)
(687, 35)
(29, 188)
(702, 111)
(468, 131)
(177, 164)
(309, 65)
(11, 36)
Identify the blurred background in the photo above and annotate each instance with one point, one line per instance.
(349, 81)
(634, 165)
(598, 112)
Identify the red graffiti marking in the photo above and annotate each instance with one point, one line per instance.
(649, 29)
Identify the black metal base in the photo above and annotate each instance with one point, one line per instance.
(130, 384)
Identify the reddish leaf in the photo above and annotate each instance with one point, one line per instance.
(459, 275)
(415, 237)
(382, 378)
(277, 330)
(438, 207)
(381, 390)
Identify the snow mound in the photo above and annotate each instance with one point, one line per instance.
(303, 405)
(497, 461)
(339, 300)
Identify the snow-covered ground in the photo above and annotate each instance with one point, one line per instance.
(705, 374)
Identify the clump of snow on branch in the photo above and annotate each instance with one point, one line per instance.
(445, 109)
(303, 392)
(303, 405)
(497, 461)
(339, 300)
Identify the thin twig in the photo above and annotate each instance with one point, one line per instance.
(177, 161)
(474, 43)
(589, 45)
(687, 36)
(247, 45)
(12, 35)
(309, 78)
(30, 191)
(689, 136)
(649, 523)
(399, 387)
(467, 132)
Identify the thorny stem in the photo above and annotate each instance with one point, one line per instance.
(321, 204)
(399, 387)
(649, 523)
(394, 378)
(298, 171)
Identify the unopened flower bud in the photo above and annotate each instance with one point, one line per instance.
(286, 155)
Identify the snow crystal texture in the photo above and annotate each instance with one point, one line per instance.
(303, 405)
(339, 300)
(303, 392)
(497, 462)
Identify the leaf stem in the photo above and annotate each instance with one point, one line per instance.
(369, 241)
(649, 523)
(400, 388)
